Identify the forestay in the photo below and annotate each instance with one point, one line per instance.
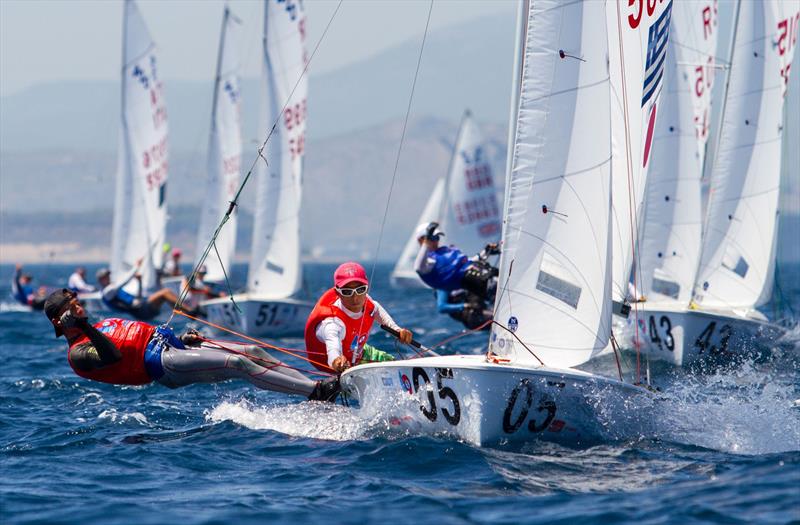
(738, 250)
(554, 283)
(140, 212)
(224, 153)
(638, 32)
(671, 230)
(275, 270)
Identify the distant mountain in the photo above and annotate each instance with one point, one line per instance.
(467, 65)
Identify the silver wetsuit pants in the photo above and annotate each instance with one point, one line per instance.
(211, 363)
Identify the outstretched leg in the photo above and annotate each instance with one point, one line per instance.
(210, 364)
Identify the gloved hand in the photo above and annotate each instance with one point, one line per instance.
(70, 320)
(429, 234)
(492, 249)
(192, 337)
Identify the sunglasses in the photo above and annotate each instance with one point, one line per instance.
(347, 292)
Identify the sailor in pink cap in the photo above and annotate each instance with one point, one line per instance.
(337, 330)
(172, 267)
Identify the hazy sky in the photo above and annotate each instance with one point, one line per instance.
(46, 40)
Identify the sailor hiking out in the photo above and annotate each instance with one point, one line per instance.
(24, 292)
(337, 330)
(117, 297)
(465, 286)
(124, 352)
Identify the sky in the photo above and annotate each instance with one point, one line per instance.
(54, 40)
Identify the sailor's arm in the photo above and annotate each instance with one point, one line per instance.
(385, 319)
(422, 263)
(445, 307)
(331, 331)
(97, 353)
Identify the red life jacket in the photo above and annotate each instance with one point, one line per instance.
(357, 330)
(131, 338)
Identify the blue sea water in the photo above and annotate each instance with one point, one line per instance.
(73, 451)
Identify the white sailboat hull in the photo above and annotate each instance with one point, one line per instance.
(682, 337)
(260, 317)
(489, 404)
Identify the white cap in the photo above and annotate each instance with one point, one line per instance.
(422, 230)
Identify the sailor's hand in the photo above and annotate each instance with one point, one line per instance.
(429, 233)
(340, 364)
(139, 261)
(70, 320)
(492, 249)
(405, 336)
(192, 337)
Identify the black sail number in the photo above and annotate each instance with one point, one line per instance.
(420, 379)
(666, 326)
(524, 391)
(704, 341)
(416, 374)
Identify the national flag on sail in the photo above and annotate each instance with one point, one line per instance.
(656, 54)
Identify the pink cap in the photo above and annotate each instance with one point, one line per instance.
(176, 252)
(349, 272)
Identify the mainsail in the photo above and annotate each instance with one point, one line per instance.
(554, 284)
(671, 230)
(638, 32)
(224, 154)
(464, 203)
(738, 248)
(140, 212)
(275, 269)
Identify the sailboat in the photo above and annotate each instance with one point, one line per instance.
(140, 210)
(268, 307)
(701, 299)
(464, 203)
(553, 307)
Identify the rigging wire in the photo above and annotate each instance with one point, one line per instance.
(185, 291)
(400, 146)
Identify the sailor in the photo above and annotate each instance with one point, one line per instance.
(337, 330)
(198, 291)
(446, 268)
(140, 306)
(124, 352)
(77, 281)
(172, 266)
(23, 291)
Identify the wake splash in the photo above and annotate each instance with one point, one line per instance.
(309, 420)
(747, 411)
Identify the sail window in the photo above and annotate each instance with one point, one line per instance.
(665, 287)
(557, 281)
(735, 263)
(271, 266)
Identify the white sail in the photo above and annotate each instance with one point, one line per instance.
(404, 269)
(638, 32)
(224, 154)
(275, 269)
(554, 283)
(738, 248)
(671, 230)
(470, 214)
(140, 211)
(464, 204)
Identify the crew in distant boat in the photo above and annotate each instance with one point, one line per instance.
(464, 286)
(337, 330)
(172, 266)
(23, 291)
(77, 281)
(140, 306)
(199, 291)
(125, 352)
